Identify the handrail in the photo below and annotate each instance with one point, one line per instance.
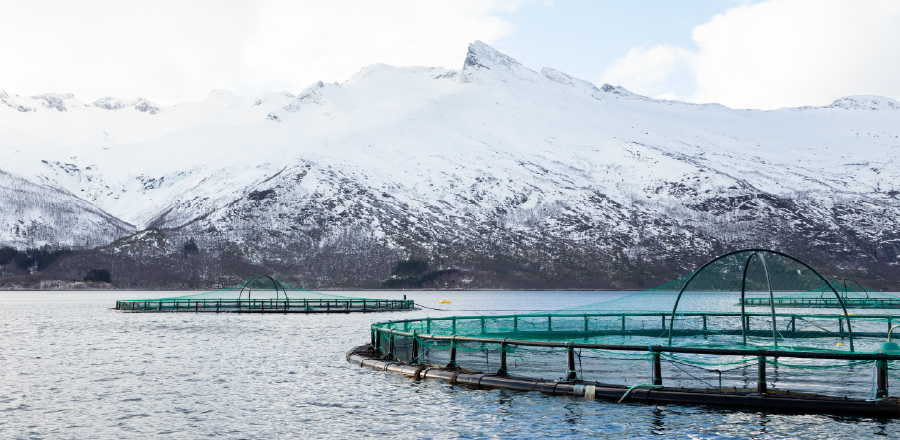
(659, 348)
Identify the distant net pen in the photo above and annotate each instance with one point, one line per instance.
(692, 340)
(263, 294)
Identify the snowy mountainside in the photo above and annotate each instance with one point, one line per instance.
(494, 168)
(35, 215)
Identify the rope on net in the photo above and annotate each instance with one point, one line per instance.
(640, 385)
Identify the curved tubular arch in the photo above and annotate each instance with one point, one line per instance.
(275, 282)
(838, 296)
(771, 297)
(743, 306)
(866, 291)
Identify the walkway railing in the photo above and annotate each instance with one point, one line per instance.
(421, 332)
(263, 305)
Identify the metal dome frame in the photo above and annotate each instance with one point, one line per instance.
(759, 252)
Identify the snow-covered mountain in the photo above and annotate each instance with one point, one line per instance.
(493, 168)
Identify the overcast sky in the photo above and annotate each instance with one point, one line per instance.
(744, 54)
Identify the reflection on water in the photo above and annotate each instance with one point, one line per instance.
(73, 369)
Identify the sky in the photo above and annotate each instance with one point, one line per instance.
(761, 54)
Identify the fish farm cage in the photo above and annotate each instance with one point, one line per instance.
(690, 341)
(852, 295)
(263, 294)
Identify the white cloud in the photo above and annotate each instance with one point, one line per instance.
(780, 53)
(173, 51)
(652, 72)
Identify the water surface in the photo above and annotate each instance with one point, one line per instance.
(73, 369)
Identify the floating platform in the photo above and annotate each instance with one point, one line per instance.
(264, 306)
(838, 294)
(689, 341)
(826, 303)
(263, 294)
(775, 401)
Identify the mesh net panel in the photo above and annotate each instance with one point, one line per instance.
(262, 293)
(708, 312)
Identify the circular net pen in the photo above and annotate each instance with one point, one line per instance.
(852, 295)
(263, 294)
(692, 340)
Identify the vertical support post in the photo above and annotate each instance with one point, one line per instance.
(374, 339)
(515, 323)
(664, 322)
(391, 348)
(704, 323)
(415, 350)
(570, 354)
(428, 325)
(454, 326)
(793, 323)
(745, 321)
(881, 381)
(482, 325)
(761, 386)
(657, 366)
(503, 371)
(585, 323)
(623, 323)
(840, 326)
(549, 323)
(452, 363)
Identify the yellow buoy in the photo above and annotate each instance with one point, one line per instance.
(444, 301)
(839, 344)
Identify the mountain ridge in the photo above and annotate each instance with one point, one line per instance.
(520, 176)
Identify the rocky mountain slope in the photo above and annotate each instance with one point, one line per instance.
(514, 177)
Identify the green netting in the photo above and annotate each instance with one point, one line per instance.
(260, 287)
(705, 309)
(263, 294)
(851, 294)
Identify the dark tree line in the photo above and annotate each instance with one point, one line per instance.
(32, 259)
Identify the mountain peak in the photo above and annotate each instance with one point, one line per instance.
(484, 64)
(57, 101)
(139, 104)
(865, 102)
(10, 102)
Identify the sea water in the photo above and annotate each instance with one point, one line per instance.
(71, 368)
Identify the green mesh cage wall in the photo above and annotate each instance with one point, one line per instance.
(263, 294)
(703, 314)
